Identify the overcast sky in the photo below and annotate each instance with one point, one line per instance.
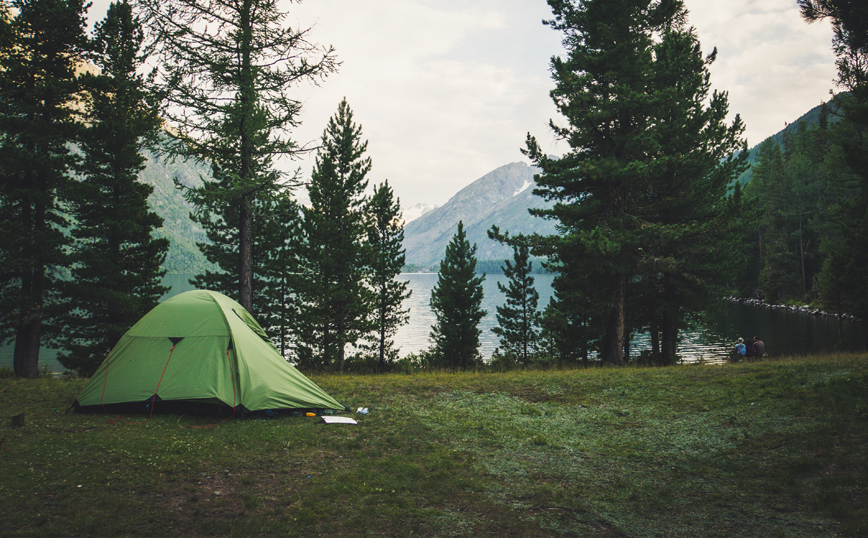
(446, 90)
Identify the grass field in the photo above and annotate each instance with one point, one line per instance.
(774, 448)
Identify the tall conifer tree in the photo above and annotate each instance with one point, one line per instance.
(228, 67)
(850, 44)
(601, 89)
(337, 302)
(386, 252)
(116, 261)
(640, 196)
(518, 319)
(689, 242)
(456, 301)
(42, 46)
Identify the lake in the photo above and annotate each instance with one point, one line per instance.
(784, 332)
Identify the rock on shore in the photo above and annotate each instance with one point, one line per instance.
(804, 309)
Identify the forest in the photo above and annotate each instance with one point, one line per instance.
(654, 224)
(82, 258)
(797, 207)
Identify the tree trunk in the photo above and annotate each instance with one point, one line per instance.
(381, 314)
(614, 340)
(382, 348)
(802, 255)
(248, 99)
(670, 336)
(655, 341)
(26, 355)
(245, 252)
(341, 337)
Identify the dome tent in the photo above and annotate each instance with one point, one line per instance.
(199, 351)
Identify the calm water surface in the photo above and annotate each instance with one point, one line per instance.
(784, 332)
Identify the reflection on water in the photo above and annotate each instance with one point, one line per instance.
(784, 332)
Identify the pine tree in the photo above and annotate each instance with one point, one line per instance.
(804, 202)
(42, 46)
(601, 89)
(842, 279)
(227, 68)
(337, 303)
(456, 301)
(276, 253)
(116, 262)
(518, 318)
(640, 194)
(850, 44)
(688, 239)
(386, 251)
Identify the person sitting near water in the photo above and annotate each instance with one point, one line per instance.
(759, 349)
(739, 347)
(749, 349)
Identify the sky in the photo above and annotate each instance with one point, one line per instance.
(446, 90)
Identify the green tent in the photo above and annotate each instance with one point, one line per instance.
(199, 351)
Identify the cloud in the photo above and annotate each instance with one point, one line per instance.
(774, 66)
(446, 90)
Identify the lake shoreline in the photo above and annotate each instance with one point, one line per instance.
(804, 309)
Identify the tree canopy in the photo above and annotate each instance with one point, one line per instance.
(456, 301)
(639, 198)
(227, 69)
(42, 47)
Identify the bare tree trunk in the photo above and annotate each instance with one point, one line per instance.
(802, 254)
(26, 355)
(247, 98)
(245, 270)
(614, 345)
(670, 336)
(382, 348)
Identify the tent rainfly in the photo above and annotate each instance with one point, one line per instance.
(199, 352)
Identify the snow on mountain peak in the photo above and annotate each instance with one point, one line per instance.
(527, 184)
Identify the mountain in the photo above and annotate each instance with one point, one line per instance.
(500, 197)
(168, 202)
(810, 118)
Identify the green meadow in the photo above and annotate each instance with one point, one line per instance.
(771, 448)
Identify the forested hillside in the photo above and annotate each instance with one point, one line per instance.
(168, 202)
(792, 207)
(810, 118)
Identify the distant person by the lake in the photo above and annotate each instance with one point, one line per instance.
(749, 349)
(759, 349)
(739, 347)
